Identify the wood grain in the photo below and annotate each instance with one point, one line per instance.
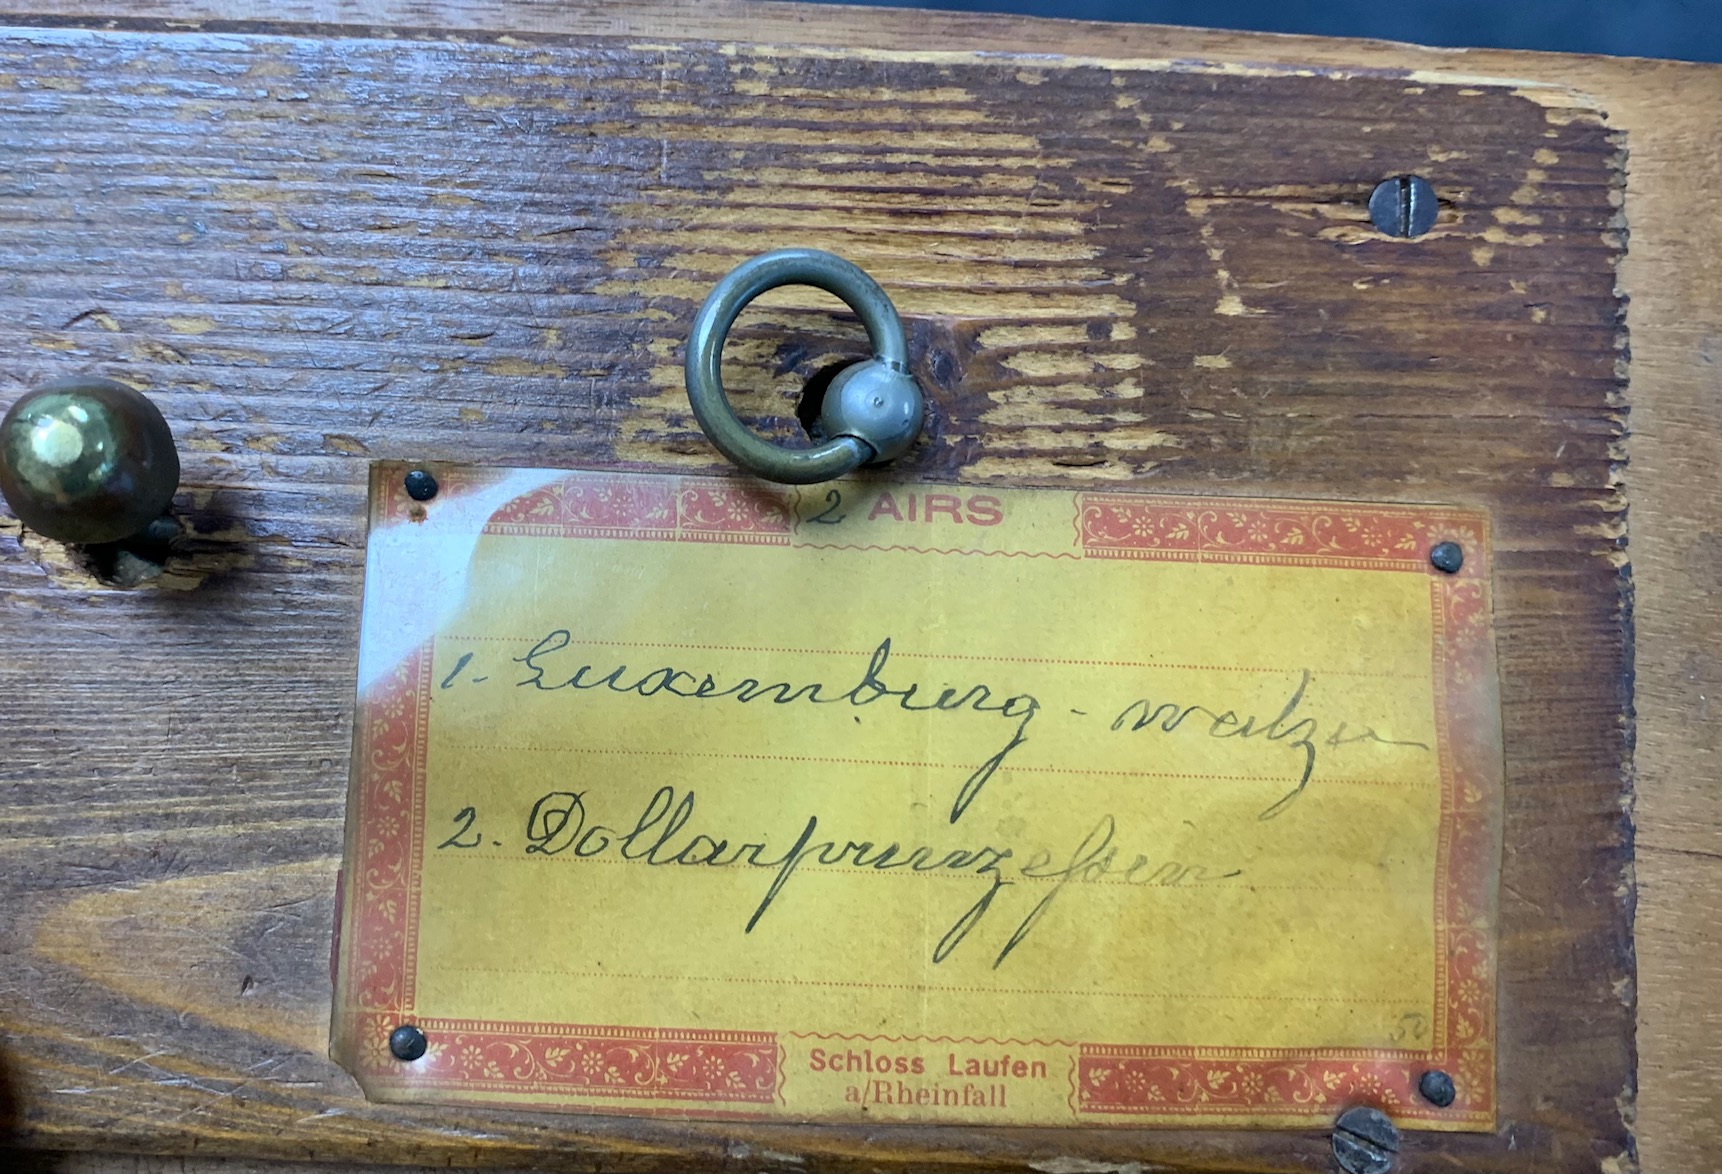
(286, 386)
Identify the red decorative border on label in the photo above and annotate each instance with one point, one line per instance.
(1197, 1081)
(1164, 1081)
(716, 1067)
(740, 1068)
(620, 505)
(590, 507)
(1130, 526)
(391, 733)
(722, 511)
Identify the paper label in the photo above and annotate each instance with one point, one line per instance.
(922, 803)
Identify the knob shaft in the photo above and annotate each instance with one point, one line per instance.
(87, 460)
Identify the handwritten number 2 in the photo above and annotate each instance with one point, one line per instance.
(455, 841)
(833, 499)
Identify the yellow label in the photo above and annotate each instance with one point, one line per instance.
(920, 803)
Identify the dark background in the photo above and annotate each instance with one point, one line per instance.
(1687, 29)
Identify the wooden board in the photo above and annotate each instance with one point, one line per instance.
(180, 859)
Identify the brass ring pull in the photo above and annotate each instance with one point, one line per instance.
(872, 411)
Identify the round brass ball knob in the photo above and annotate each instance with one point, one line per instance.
(87, 460)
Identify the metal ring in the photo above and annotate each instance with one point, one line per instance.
(857, 437)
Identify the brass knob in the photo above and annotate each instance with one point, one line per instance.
(87, 460)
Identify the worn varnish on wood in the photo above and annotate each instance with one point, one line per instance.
(317, 249)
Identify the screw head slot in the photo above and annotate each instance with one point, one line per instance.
(1404, 206)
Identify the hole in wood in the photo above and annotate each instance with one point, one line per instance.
(780, 360)
(812, 400)
(175, 553)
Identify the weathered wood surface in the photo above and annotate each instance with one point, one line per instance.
(318, 249)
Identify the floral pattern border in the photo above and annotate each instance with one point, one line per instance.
(1170, 1082)
(651, 508)
(1112, 525)
(646, 506)
(720, 1067)
(469, 1055)
(640, 1062)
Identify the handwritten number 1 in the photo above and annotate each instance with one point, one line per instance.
(455, 841)
(833, 499)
